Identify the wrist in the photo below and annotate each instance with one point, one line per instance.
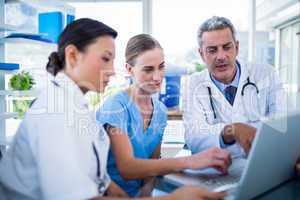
(183, 163)
(228, 134)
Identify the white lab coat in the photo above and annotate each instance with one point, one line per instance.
(52, 155)
(203, 131)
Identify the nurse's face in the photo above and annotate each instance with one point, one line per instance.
(148, 71)
(94, 66)
(219, 51)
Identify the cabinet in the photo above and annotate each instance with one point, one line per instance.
(31, 54)
(7, 95)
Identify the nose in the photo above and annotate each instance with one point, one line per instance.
(221, 55)
(111, 71)
(157, 76)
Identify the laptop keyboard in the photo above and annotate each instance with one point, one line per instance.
(222, 180)
(233, 176)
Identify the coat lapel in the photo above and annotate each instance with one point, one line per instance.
(222, 106)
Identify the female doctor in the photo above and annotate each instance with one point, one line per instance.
(224, 104)
(60, 151)
(136, 122)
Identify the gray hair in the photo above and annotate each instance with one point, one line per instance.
(215, 23)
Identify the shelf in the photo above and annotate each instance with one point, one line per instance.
(3, 72)
(21, 98)
(8, 115)
(19, 93)
(6, 27)
(50, 5)
(24, 41)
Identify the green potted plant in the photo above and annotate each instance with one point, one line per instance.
(21, 81)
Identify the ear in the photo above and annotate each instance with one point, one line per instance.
(201, 53)
(71, 56)
(129, 68)
(237, 46)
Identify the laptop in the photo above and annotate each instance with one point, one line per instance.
(271, 161)
(272, 158)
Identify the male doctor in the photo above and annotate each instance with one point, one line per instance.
(224, 104)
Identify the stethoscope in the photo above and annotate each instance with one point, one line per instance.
(248, 83)
(100, 180)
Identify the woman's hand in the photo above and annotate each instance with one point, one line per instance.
(214, 157)
(148, 186)
(195, 192)
(114, 190)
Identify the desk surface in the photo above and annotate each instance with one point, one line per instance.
(174, 115)
(288, 191)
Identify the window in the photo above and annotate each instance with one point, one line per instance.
(124, 17)
(289, 60)
(175, 24)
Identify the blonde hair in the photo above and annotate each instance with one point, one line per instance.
(139, 44)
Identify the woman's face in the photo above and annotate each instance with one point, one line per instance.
(95, 64)
(148, 71)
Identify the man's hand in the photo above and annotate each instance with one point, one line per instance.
(242, 133)
(298, 166)
(114, 190)
(195, 192)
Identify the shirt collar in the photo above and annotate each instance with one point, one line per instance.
(221, 86)
(65, 82)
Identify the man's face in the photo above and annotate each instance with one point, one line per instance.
(219, 51)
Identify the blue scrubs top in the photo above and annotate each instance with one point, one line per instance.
(120, 111)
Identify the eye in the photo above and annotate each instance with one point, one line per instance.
(162, 67)
(226, 48)
(211, 50)
(147, 70)
(105, 59)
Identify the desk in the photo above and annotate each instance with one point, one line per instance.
(287, 191)
(174, 114)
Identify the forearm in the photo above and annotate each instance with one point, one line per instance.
(142, 168)
(167, 197)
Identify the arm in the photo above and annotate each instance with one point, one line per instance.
(114, 190)
(184, 193)
(241, 133)
(298, 166)
(149, 182)
(199, 133)
(157, 152)
(133, 168)
(275, 106)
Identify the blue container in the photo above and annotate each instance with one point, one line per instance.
(51, 24)
(9, 66)
(70, 18)
(170, 95)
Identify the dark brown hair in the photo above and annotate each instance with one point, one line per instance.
(80, 33)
